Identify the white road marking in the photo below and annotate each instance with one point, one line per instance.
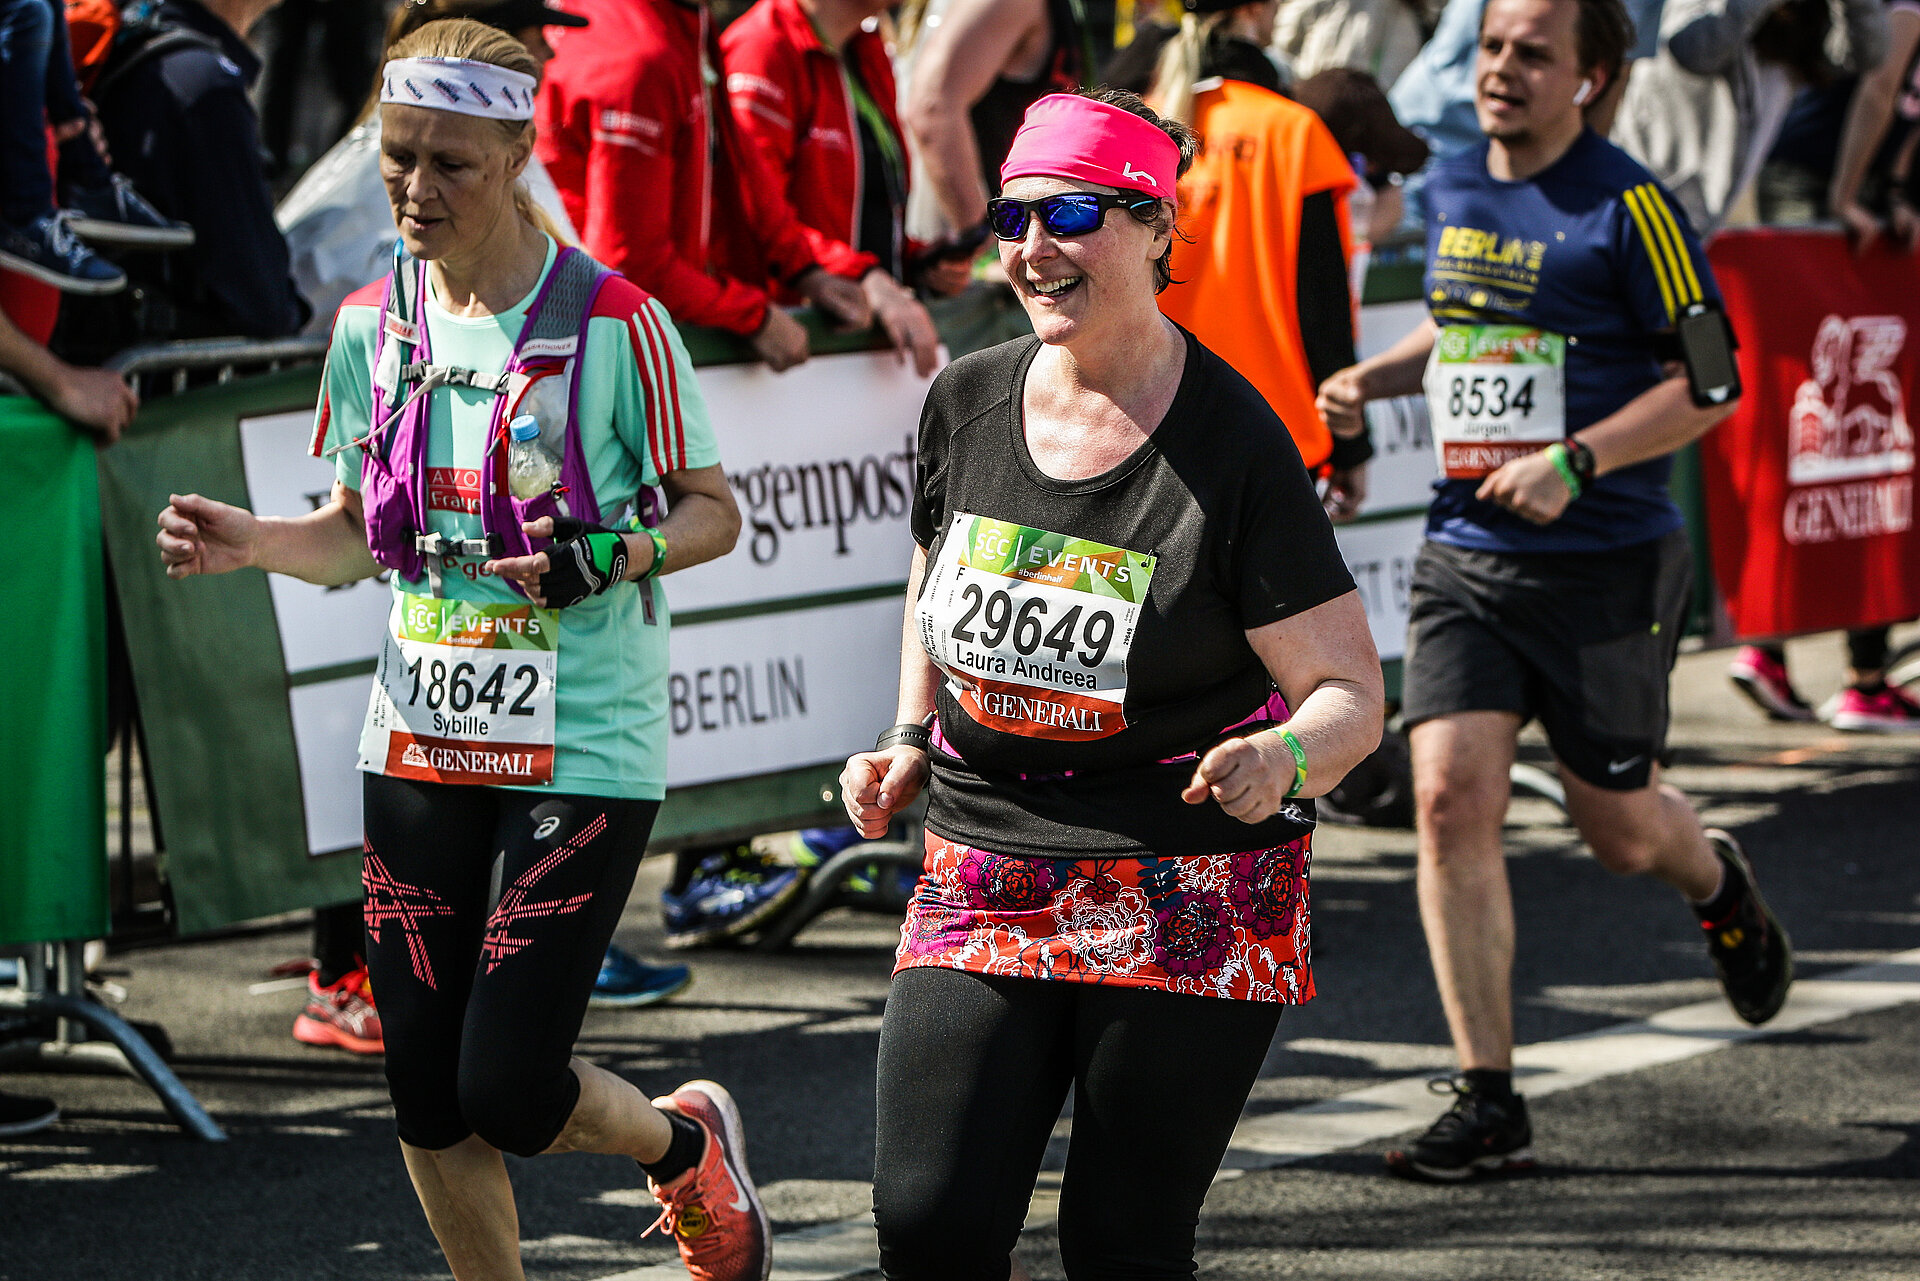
(275, 985)
(835, 1250)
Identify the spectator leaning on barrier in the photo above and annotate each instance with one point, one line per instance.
(1703, 112)
(99, 401)
(173, 100)
(1554, 581)
(1264, 281)
(811, 87)
(977, 66)
(1877, 143)
(338, 227)
(638, 137)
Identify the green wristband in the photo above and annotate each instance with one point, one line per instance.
(1557, 455)
(1299, 760)
(659, 552)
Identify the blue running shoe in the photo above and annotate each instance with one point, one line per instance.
(730, 894)
(47, 250)
(627, 982)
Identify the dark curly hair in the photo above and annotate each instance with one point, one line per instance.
(1189, 144)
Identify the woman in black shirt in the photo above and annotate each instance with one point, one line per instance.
(1124, 581)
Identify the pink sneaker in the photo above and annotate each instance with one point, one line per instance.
(713, 1210)
(1886, 711)
(1763, 678)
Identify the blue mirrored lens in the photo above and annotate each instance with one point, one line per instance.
(1007, 218)
(1070, 215)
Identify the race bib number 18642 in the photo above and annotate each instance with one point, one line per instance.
(464, 693)
(1033, 628)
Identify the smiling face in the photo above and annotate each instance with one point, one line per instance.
(1528, 72)
(449, 177)
(1073, 287)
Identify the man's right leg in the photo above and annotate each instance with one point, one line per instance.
(1461, 763)
(1460, 783)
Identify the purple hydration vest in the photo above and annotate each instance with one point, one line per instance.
(394, 476)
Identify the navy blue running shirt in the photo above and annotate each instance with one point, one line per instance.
(1592, 248)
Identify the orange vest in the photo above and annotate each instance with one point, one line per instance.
(1261, 156)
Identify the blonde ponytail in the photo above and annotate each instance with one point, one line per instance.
(1174, 74)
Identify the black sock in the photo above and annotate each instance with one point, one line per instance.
(685, 863)
(683, 1150)
(1490, 1083)
(1732, 885)
(337, 945)
(1878, 685)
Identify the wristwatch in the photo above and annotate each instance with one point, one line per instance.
(912, 733)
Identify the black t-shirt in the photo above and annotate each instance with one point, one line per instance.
(1100, 625)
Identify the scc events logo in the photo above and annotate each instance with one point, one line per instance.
(1850, 446)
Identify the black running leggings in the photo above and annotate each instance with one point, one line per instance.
(488, 912)
(973, 1071)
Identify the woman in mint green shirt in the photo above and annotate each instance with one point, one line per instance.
(514, 753)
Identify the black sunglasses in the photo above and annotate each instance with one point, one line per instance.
(1072, 213)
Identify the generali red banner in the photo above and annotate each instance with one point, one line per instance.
(1809, 485)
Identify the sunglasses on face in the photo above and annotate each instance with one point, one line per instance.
(1073, 213)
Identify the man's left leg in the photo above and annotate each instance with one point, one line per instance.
(1653, 831)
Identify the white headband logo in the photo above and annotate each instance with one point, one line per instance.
(459, 85)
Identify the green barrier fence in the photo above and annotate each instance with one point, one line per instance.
(53, 866)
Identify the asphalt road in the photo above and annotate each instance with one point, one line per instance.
(1793, 1155)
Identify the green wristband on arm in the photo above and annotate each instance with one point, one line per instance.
(1299, 760)
(1557, 455)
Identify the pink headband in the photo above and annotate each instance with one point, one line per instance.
(1067, 136)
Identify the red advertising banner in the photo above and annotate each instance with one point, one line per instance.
(1809, 485)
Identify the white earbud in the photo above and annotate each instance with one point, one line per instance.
(1584, 92)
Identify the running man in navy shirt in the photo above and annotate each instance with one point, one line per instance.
(1561, 282)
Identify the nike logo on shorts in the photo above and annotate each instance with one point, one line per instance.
(1621, 767)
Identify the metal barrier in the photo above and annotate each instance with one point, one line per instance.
(229, 358)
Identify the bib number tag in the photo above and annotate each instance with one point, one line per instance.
(1032, 628)
(464, 693)
(1495, 393)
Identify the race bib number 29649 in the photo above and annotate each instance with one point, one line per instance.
(1033, 628)
(464, 693)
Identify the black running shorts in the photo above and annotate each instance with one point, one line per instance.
(1584, 641)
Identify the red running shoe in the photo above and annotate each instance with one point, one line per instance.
(341, 1014)
(713, 1210)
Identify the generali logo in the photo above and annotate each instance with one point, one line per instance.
(1850, 446)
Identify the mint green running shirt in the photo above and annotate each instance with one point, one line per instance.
(641, 415)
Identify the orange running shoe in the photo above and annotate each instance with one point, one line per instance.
(341, 1014)
(713, 1210)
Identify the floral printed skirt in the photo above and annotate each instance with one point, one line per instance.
(1229, 925)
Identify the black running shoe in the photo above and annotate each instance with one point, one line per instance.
(1477, 1135)
(1750, 951)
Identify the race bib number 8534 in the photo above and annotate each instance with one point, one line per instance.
(1495, 393)
(1033, 628)
(464, 693)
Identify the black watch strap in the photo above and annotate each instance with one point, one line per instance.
(1580, 458)
(910, 733)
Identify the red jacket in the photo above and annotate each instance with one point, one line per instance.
(652, 171)
(790, 96)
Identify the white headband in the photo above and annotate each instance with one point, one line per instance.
(461, 85)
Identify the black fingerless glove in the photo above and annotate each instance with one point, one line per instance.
(585, 560)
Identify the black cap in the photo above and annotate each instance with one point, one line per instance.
(517, 15)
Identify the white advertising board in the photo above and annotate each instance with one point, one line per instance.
(1403, 467)
(1380, 558)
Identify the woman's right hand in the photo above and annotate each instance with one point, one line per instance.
(877, 785)
(200, 536)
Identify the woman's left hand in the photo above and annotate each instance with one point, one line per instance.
(1530, 487)
(1246, 776)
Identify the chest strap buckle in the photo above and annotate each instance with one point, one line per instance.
(491, 546)
(454, 376)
